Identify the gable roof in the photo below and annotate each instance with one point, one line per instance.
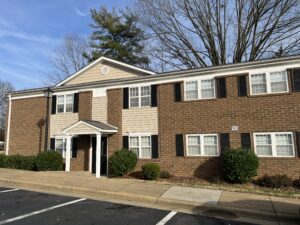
(97, 125)
(101, 59)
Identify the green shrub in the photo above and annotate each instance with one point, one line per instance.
(150, 171)
(2, 160)
(165, 174)
(122, 162)
(275, 181)
(49, 160)
(239, 165)
(296, 183)
(19, 162)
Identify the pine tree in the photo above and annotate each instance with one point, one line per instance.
(117, 36)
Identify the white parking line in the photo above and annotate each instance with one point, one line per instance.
(40, 211)
(166, 218)
(9, 190)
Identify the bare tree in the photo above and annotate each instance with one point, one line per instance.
(5, 88)
(199, 33)
(67, 58)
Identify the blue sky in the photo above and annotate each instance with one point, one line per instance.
(30, 29)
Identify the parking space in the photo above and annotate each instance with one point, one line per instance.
(26, 207)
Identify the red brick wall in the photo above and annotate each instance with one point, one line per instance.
(85, 105)
(81, 163)
(27, 126)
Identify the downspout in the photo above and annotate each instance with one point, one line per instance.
(48, 94)
(8, 125)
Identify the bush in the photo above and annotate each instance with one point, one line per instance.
(165, 174)
(239, 165)
(122, 162)
(276, 181)
(150, 171)
(296, 183)
(49, 160)
(19, 162)
(2, 160)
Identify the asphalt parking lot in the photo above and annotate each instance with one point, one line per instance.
(27, 207)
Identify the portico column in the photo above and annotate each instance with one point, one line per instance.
(98, 155)
(68, 153)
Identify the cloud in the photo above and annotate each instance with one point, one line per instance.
(80, 13)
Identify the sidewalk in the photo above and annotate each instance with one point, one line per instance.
(173, 197)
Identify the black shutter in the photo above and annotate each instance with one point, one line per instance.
(74, 147)
(52, 144)
(246, 140)
(125, 142)
(298, 143)
(179, 145)
(177, 92)
(296, 80)
(153, 95)
(154, 146)
(242, 85)
(76, 102)
(53, 108)
(125, 98)
(224, 141)
(221, 87)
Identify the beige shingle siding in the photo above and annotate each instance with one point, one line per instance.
(58, 122)
(81, 128)
(99, 109)
(94, 74)
(140, 120)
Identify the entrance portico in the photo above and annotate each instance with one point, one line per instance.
(95, 129)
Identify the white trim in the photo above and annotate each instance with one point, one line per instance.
(85, 123)
(28, 96)
(139, 136)
(65, 103)
(90, 153)
(139, 87)
(268, 80)
(98, 155)
(274, 153)
(108, 60)
(201, 145)
(199, 89)
(8, 125)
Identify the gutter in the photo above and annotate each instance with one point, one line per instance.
(8, 125)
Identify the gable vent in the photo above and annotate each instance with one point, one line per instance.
(104, 70)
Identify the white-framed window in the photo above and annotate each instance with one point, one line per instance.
(202, 145)
(61, 146)
(200, 89)
(274, 144)
(65, 103)
(139, 96)
(141, 145)
(269, 82)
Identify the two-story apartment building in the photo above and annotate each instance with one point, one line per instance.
(181, 120)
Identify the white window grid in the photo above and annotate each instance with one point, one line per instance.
(140, 146)
(202, 144)
(65, 103)
(199, 89)
(268, 75)
(140, 93)
(273, 144)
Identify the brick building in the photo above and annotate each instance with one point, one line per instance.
(181, 120)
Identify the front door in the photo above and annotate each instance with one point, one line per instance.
(103, 155)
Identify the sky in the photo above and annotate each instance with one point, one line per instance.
(31, 29)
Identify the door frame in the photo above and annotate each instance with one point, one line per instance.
(91, 154)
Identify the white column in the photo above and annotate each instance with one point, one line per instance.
(98, 155)
(90, 153)
(68, 153)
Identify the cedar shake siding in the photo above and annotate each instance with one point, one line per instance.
(27, 126)
(85, 105)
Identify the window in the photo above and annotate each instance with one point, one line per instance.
(202, 145)
(141, 145)
(60, 146)
(274, 144)
(65, 103)
(200, 89)
(139, 96)
(271, 82)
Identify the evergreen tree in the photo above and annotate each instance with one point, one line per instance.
(117, 36)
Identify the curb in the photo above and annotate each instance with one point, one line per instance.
(168, 203)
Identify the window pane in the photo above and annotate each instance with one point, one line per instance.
(134, 142)
(146, 142)
(259, 83)
(146, 152)
(134, 102)
(60, 146)
(284, 144)
(60, 108)
(191, 90)
(278, 81)
(134, 92)
(60, 99)
(194, 145)
(264, 144)
(145, 101)
(264, 150)
(210, 145)
(207, 89)
(145, 91)
(263, 139)
(135, 150)
(69, 103)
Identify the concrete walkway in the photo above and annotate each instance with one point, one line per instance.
(165, 195)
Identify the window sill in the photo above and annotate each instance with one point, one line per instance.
(200, 100)
(200, 156)
(269, 94)
(148, 159)
(276, 157)
(140, 108)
